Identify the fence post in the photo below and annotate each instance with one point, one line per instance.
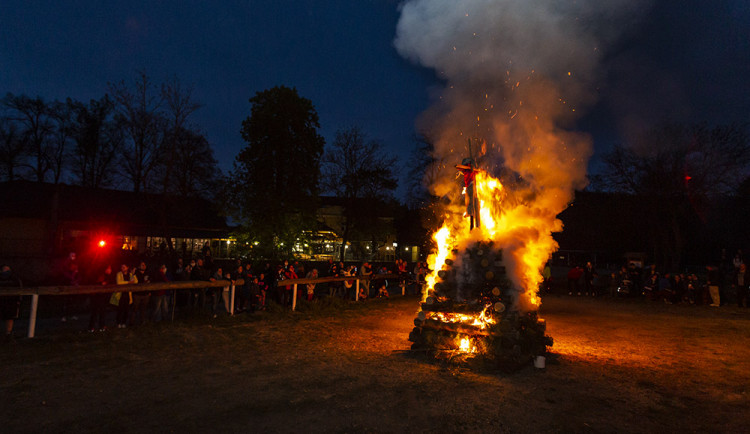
(231, 301)
(356, 291)
(294, 298)
(32, 315)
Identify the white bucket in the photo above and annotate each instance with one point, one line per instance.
(539, 362)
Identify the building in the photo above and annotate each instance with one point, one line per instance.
(41, 221)
(375, 238)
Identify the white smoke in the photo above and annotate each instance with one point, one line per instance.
(517, 74)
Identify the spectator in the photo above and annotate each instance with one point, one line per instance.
(365, 271)
(219, 275)
(589, 273)
(679, 285)
(262, 282)
(741, 285)
(289, 274)
(123, 299)
(280, 292)
(613, 284)
(9, 304)
(98, 301)
(333, 271)
(666, 291)
(250, 290)
(402, 274)
(161, 297)
(348, 293)
(362, 295)
(199, 273)
(342, 287)
(737, 261)
(651, 287)
(547, 278)
(383, 289)
(179, 267)
(574, 277)
(713, 282)
(241, 293)
(139, 311)
(383, 283)
(313, 274)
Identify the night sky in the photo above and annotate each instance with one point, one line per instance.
(681, 60)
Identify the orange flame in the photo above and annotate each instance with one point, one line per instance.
(518, 221)
(466, 346)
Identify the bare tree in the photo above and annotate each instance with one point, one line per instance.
(33, 118)
(60, 138)
(176, 147)
(676, 170)
(98, 142)
(358, 170)
(12, 149)
(139, 109)
(196, 172)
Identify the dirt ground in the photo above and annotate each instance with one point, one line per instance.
(616, 366)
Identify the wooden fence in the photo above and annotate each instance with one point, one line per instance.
(36, 291)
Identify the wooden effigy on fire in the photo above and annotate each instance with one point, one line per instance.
(472, 311)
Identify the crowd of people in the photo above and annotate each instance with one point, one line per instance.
(264, 284)
(727, 281)
(261, 285)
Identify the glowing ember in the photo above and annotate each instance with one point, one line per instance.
(481, 321)
(466, 346)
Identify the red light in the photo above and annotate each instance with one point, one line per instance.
(688, 177)
(102, 243)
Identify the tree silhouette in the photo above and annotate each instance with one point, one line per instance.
(35, 125)
(186, 162)
(98, 141)
(677, 170)
(61, 139)
(360, 172)
(139, 111)
(274, 183)
(12, 149)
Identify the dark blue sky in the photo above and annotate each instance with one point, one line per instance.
(338, 54)
(688, 60)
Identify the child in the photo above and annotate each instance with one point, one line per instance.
(383, 291)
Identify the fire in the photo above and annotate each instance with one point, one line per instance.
(520, 222)
(466, 346)
(442, 238)
(481, 321)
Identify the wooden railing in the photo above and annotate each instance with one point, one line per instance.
(36, 291)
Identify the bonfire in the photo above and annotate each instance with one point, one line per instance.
(480, 298)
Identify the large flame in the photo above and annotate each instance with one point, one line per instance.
(519, 222)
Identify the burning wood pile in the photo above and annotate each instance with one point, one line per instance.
(470, 310)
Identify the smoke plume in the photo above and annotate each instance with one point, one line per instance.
(516, 74)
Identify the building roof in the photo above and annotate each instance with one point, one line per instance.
(122, 211)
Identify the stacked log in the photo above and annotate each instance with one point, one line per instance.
(473, 303)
